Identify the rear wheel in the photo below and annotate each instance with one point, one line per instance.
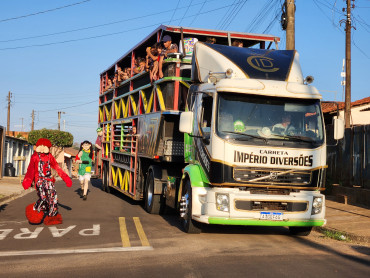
(152, 201)
(300, 231)
(189, 225)
(106, 178)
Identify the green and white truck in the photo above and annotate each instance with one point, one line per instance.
(230, 135)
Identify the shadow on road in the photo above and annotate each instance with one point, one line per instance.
(3, 207)
(328, 249)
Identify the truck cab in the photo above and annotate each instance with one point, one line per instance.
(254, 141)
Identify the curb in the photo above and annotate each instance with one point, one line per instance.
(351, 237)
(14, 196)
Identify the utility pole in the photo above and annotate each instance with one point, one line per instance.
(33, 120)
(59, 113)
(22, 124)
(290, 28)
(9, 98)
(347, 107)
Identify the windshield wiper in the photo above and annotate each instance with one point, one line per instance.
(245, 134)
(298, 138)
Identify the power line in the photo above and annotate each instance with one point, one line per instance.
(222, 19)
(187, 9)
(261, 16)
(336, 26)
(229, 16)
(198, 12)
(96, 26)
(103, 35)
(237, 11)
(67, 107)
(42, 12)
(174, 11)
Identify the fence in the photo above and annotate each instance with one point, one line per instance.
(349, 161)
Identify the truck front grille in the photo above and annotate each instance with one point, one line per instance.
(271, 206)
(272, 176)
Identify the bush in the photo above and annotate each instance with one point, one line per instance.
(57, 138)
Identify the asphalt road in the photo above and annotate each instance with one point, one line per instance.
(108, 235)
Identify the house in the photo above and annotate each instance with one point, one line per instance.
(360, 111)
(69, 160)
(16, 152)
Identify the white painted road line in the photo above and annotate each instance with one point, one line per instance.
(75, 251)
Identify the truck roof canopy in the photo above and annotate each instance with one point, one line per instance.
(176, 32)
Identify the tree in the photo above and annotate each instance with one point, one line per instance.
(57, 138)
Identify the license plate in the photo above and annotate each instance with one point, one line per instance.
(277, 216)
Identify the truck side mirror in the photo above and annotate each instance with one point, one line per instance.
(338, 129)
(186, 122)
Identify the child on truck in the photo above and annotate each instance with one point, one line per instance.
(152, 58)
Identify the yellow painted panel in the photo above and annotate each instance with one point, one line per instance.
(123, 107)
(150, 103)
(117, 107)
(133, 103)
(101, 114)
(160, 98)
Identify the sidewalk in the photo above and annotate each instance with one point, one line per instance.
(350, 221)
(11, 188)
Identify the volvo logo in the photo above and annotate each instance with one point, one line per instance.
(261, 63)
(273, 175)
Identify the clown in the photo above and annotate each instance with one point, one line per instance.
(39, 170)
(84, 158)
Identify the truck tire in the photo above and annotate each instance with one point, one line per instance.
(300, 231)
(189, 225)
(152, 202)
(106, 178)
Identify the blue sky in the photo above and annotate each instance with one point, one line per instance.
(51, 52)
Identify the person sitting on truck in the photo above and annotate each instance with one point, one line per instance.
(168, 48)
(237, 43)
(109, 84)
(211, 40)
(139, 65)
(120, 75)
(127, 73)
(152, 58)
(285, 127)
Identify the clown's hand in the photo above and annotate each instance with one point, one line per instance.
(26, 183)
(68, 182)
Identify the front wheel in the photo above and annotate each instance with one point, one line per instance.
(189, 225)
(300, 231)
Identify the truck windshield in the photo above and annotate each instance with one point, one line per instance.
(253, 118)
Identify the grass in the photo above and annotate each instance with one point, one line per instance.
(336, 235)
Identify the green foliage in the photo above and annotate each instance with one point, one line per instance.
(20, 136)
(57, 138)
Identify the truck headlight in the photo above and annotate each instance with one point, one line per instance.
(222, 202)
(317, 205)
